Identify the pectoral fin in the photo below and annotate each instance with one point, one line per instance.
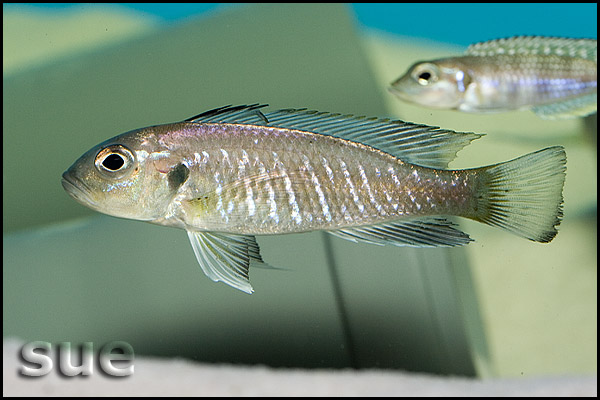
(226, 257)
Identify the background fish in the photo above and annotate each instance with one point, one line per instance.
(554, 77)
(229, 174)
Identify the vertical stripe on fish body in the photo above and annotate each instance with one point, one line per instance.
(555, 77)
(520, 81)
(250, 179)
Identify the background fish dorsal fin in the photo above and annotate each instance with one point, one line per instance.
(537, 45)
(423, 145)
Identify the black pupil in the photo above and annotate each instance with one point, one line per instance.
(113, 162)
(425, 76)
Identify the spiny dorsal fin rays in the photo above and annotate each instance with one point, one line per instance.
(537, 45)
(423, 145)
(231, 114)
(414, 143)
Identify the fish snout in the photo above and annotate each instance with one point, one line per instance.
(76, 189)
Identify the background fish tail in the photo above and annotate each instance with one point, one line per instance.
(524, 196)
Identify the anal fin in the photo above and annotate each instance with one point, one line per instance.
(422, 232)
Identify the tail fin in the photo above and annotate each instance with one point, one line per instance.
(524, 196)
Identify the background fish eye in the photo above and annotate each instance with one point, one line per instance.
(424, 75)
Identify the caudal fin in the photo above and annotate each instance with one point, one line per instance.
(524, 196)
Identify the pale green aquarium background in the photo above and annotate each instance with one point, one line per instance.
(501, 306)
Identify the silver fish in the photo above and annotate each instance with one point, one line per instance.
(229, 174)
(554, 77)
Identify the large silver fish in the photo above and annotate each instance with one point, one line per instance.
(235, 172)
(554, 77)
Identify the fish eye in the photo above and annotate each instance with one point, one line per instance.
(114, 161)
(424, 75)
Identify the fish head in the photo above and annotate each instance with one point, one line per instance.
(439, 84)
(126, 176)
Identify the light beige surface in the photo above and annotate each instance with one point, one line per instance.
(196, 379)
(538, 301)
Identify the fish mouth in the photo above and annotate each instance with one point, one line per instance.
(76, 189)
(399, 92)
(392, 89)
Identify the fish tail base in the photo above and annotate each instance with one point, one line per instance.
(524, 195)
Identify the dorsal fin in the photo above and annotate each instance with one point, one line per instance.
(230, 114)
(423, 145)
(537, 45)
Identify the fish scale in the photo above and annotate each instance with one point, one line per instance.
(361, 179)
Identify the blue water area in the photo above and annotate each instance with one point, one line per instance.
(470, 22)
(458, 23)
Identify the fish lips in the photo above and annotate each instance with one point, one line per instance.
(76, 189)
(401, 91)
